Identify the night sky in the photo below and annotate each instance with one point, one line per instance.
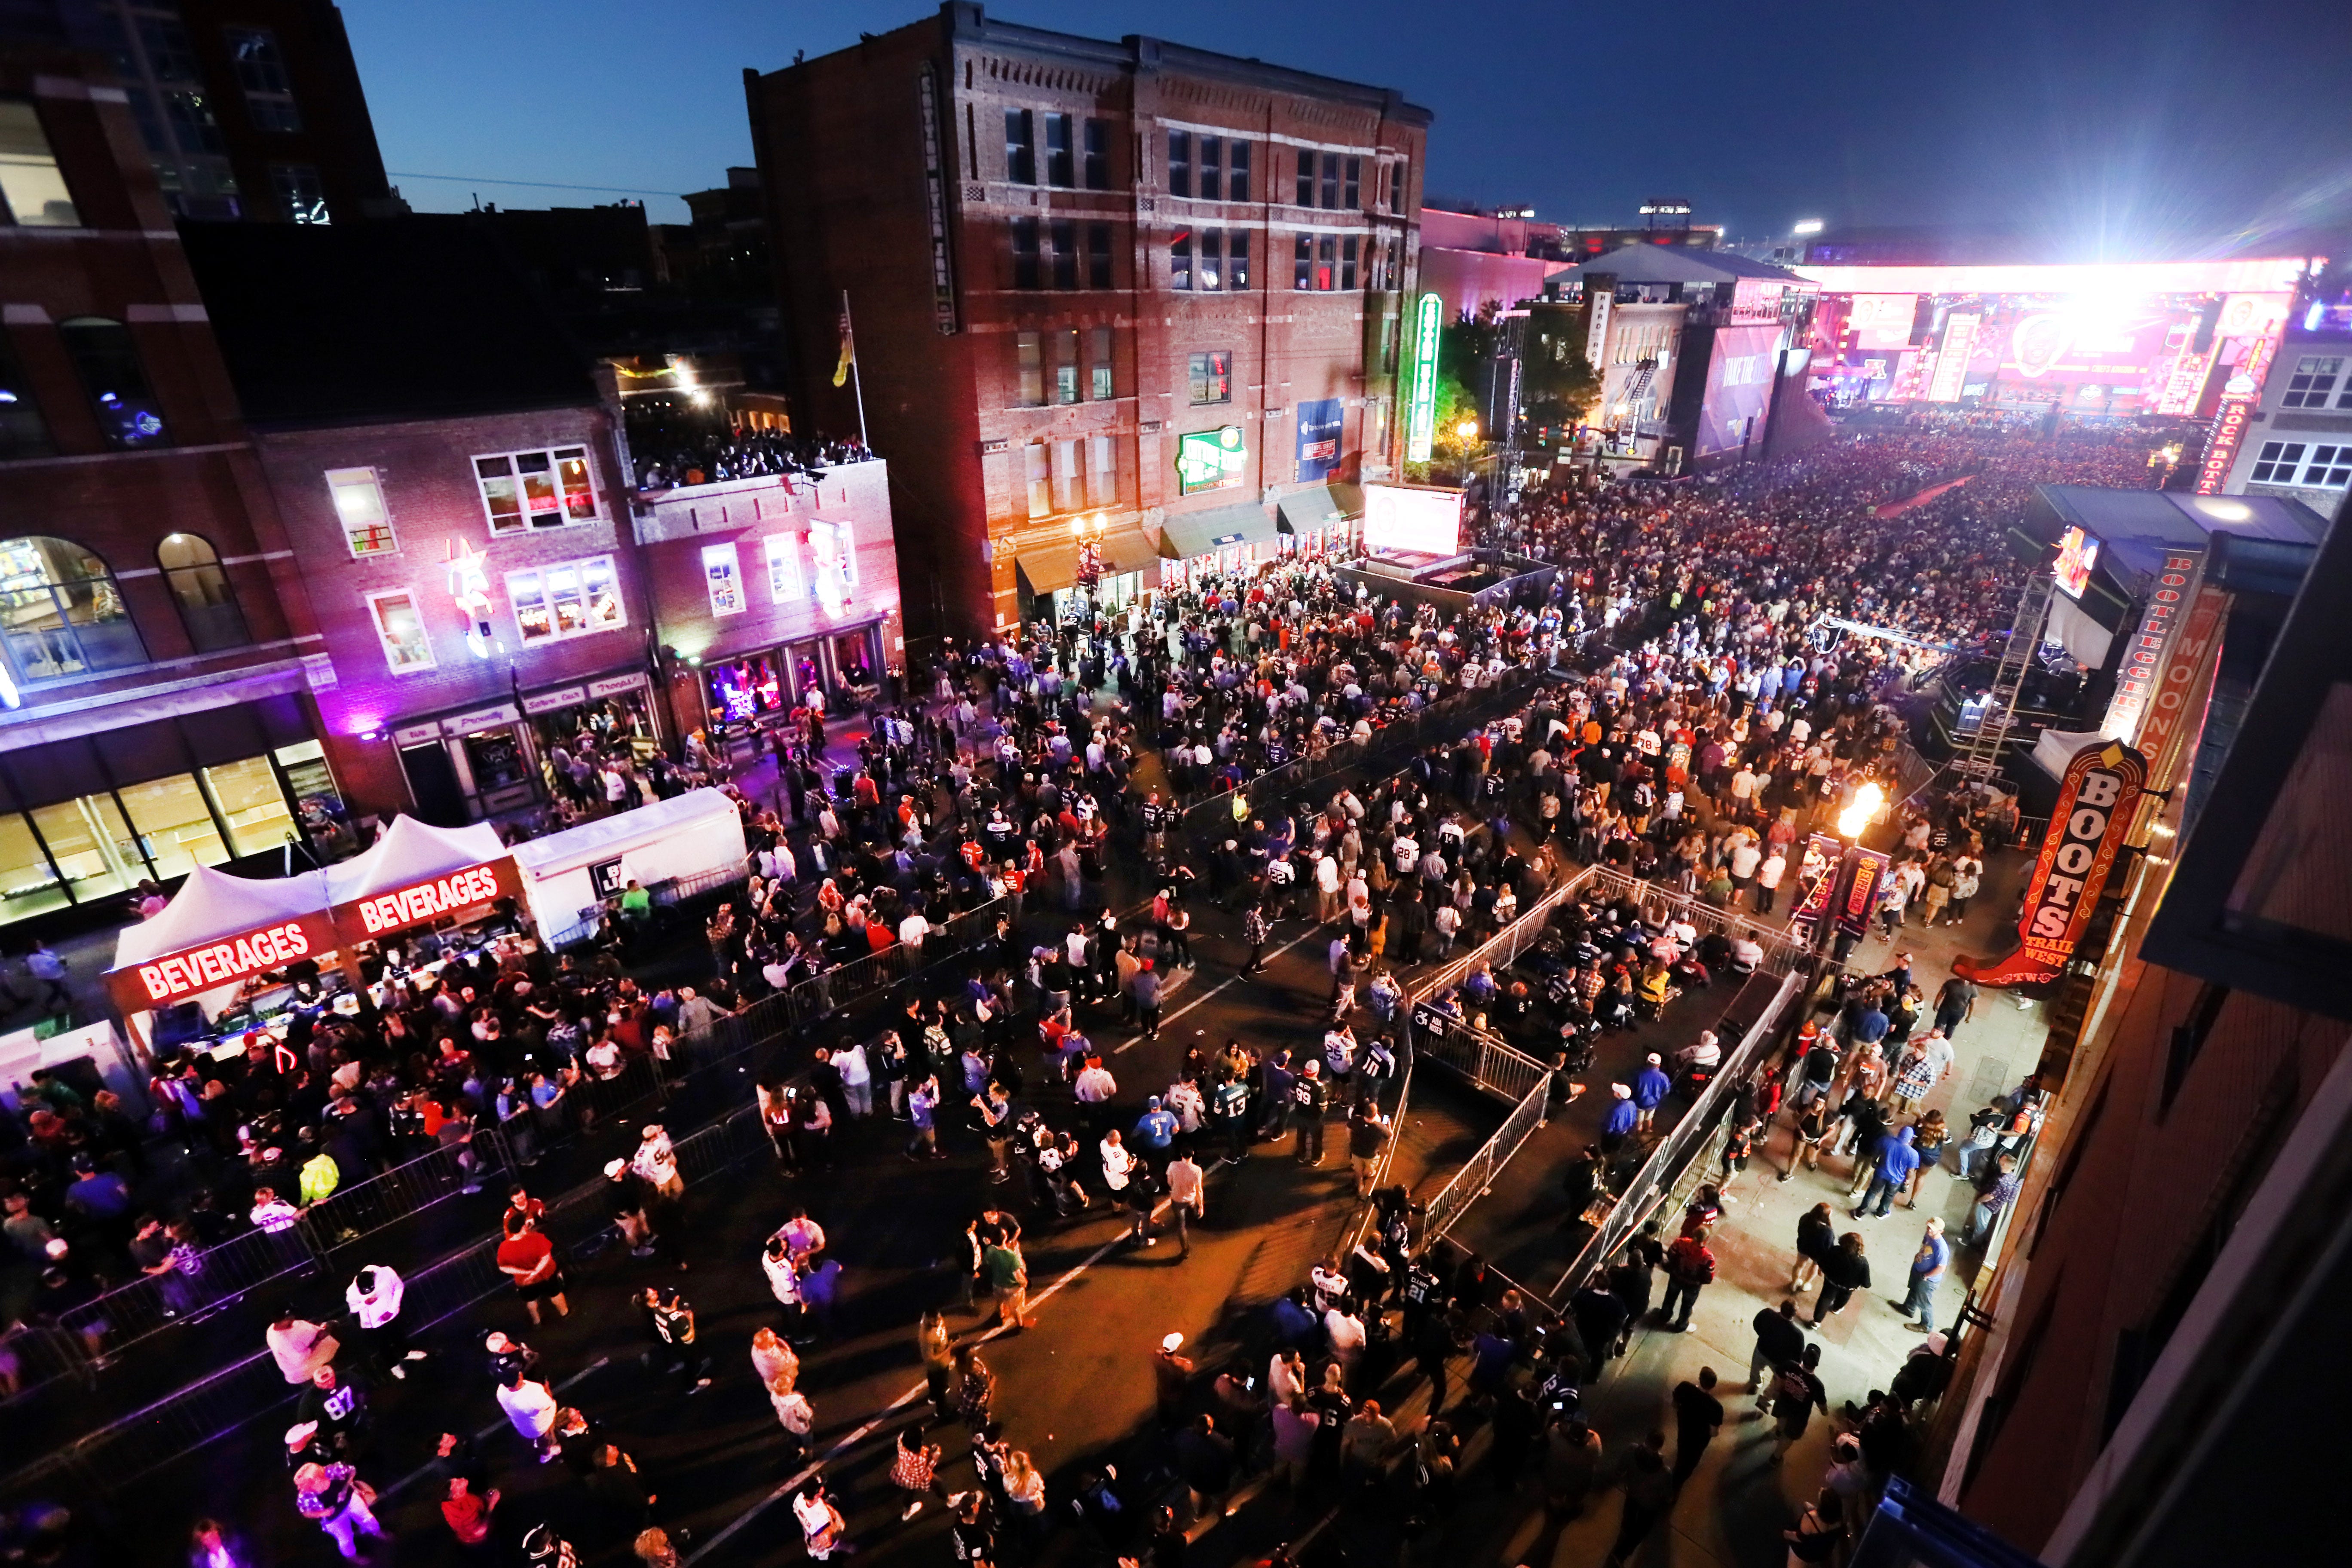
(2111, 130)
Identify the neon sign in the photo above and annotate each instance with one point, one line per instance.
(415, 905)
(1211, 460)
(1421, 413)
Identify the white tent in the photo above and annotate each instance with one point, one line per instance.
(211, 905)
(410, 852)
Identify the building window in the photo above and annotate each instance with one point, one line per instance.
(1179, 162)
(402, 630)
(299, 196)
(1038, 471)
(175, 827)
(2313, 381)
(1348, 263)
(1098, 360)
(193, 125)
(246, 797)
(1066, 476)
(107, 360)
(1396, 186)
(1237, 172)
(568, 599)
(1352, 197)
(1330, 179)
(1180, 260)
(1059, 172)
(1024, 253)
(1020, 148)
(1098, 256)
(1102, 472)
(1327, 248)
(1212, 161)
(2275, 464)
(261, 72)
(522, 490)
(1210, 267)
(200, 586)
(1065, 365)
(1029, 365)
(785, 583)
(61, 613)
(1213, 376)
(1305, 179)
(2330, 469)
(1238, 259)
(358, 506)
(1063, 235)
(170, 55)
(1302, 262)
(1098, 156)
(32, 187)
(23, 432)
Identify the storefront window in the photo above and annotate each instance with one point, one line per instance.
(853, 658)
(529, 592)
(603, 597)
(175, 824)
(27, 886)
(250, 802)
(92, 845)
(316, 798)
(742, 690)
(496, 758)
(563, 599)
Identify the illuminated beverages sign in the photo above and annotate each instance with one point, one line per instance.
(1421, 413)
(1211, 460)
(176, 976)
(385, 912)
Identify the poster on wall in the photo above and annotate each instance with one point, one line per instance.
(722, 574)
(2097, 799)
(1319, 438)
(1211, 460)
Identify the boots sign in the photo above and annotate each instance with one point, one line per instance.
(2095, 803)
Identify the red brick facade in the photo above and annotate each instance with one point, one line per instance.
(860, 149)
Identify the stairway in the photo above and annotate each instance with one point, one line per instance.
(1978, 761)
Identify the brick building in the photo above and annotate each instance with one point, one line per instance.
(247, 109)
(487, 577)
(1114, 303)
(154, 643)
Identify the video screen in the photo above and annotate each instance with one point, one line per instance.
(2077, 553)
(1426, 521)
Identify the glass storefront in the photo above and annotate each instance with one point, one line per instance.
(740, 690)
(755, 685)
(495, 759)
(102, 846)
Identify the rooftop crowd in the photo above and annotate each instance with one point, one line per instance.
(1688, 726)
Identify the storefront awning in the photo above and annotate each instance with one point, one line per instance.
(1047, 567)
(1186, 534)
(1320, 505)
(1129, 550)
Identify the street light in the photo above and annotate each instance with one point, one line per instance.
(1467, 430)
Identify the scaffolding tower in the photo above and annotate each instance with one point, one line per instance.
(1979, 762)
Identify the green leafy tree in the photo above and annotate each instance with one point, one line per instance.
(1557, 383)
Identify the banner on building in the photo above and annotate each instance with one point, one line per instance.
(1319, 438)
(2168, 598)
(1816, 879)
(2095, 803)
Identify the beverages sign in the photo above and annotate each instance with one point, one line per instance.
(1211, 460)
(2095, 803)
(381, 915)
(175, 977)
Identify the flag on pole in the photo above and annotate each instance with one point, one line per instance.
(848, 346)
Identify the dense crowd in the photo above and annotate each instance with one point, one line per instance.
(1688, 726)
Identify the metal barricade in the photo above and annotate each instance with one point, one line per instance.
(1477, 1173)
(1679, 1162)
(1479, 1058)
(1783, 953)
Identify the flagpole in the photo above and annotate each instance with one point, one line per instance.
(856, 374)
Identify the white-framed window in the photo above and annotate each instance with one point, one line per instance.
(2330, 469)
(400, 626)
(565, 599)
(1102, 472)
(2313, 381)
(1037, 471)
(830, 546)
(722, 576)
(545, 488)
(359, 507)
(786, 584)
(2276, 463)
(1066, 476)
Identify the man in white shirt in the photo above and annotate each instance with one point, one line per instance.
(374, 1296)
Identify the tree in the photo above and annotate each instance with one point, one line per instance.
(1556, 385)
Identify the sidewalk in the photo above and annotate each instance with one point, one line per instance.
(1734, 1508)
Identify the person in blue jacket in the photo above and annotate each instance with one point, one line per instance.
(1649, 1092)
(1897, 1159)
(1622, 1119)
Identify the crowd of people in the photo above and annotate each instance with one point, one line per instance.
(1692, 722)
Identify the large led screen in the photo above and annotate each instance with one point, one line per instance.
(1415, 518)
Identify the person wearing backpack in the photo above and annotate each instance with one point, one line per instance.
(1690, 1268)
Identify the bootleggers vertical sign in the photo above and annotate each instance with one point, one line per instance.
(2096, 801)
